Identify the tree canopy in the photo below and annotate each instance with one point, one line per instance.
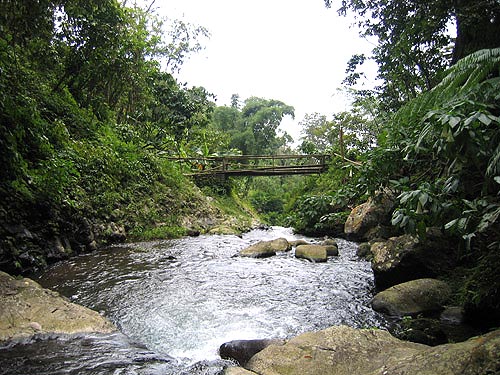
(416, 41)
(253, 129)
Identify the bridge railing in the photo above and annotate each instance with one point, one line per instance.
(257, 164)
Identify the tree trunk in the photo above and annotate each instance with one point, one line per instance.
(478, 26)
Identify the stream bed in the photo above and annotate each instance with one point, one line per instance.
(176, 301)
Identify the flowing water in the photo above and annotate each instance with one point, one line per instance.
(175, 302)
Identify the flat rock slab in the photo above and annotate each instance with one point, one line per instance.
(412, 298)
(26, 309)
(342, 350)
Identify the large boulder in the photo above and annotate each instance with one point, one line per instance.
(343, 350)
(369, 219)
(242, 350)
(26, 309)
(314, 253)
(406, 258)
(264, 249)
(422, 296)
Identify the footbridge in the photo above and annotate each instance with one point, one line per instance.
(257, 165)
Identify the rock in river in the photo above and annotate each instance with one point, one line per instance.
(412, 298)
(264, 249)
(26, 308)
(342, 350)
(406, 258)
(314, 253)
(242, 350)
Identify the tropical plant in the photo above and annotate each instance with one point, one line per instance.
(453, 156)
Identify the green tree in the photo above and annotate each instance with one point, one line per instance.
(349, 132)
(183, 39)
(414, 45)
(317, 135)
(262, 117)
(253, 129)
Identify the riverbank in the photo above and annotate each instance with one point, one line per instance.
(35, 234)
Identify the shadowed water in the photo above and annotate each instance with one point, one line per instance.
(184, 298)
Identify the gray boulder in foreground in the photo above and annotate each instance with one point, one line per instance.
(421, 296)
(342, 350)
(27, 309)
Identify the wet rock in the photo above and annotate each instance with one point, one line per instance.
(296, 243)
(193, 232)
(262, 226)
(328, 242)
(264, 249)
(92, 246)
(332, 250)
(314, 253)
(116, 233)
(406, 258)
(281, 244)
(423, 296)
(371, 214)
(423, 331)
(453, 315)
(363, 250)
(346, 351)
(26, 308)
(242, 350)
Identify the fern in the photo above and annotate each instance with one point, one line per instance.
(470, 71)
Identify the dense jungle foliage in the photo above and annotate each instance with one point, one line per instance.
(91, 112)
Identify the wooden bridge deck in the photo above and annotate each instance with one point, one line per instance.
(257, 165)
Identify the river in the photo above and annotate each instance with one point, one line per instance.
(176, 301)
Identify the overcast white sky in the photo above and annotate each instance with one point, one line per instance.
(290, 50)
